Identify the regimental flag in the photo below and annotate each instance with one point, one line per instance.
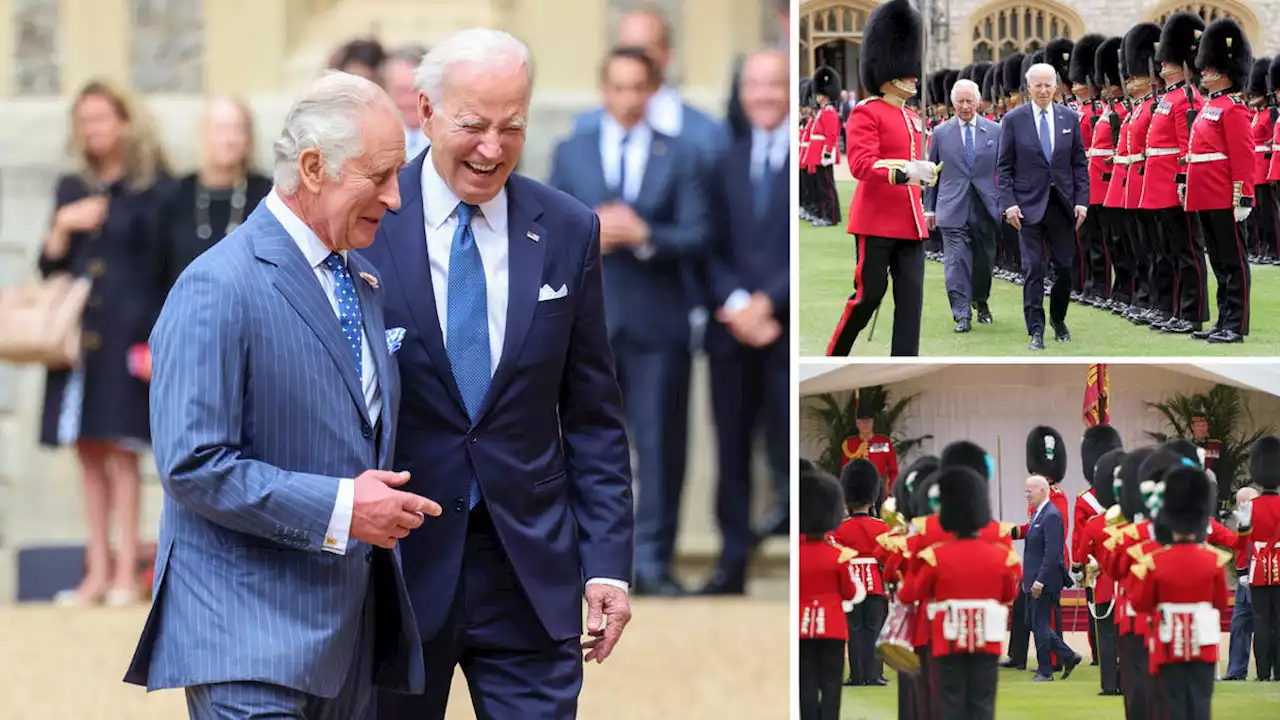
(1097, 397)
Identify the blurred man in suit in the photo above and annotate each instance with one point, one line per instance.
(749, 283)
(511, 410)
(647, 189)
(1044, 193)
(397, 78)
(963, 203)
(1043, 577)
(274, 404)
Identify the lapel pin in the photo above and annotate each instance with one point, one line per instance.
(373, 281)
(532, 235)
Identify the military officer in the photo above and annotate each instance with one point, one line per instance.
(1087, 547)
(869, 445)
(1111, 271)
(1260, 528)
(824, 143)
(1097, 441)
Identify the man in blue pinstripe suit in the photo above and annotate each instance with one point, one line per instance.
(278, 588)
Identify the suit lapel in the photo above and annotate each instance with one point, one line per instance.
(525, 255)
(593, 160)
(655, 170)
(375, 331)
(296, 281)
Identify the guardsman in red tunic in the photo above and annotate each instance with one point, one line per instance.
(806, 128)
(824, 143)
(1273, 170)
(1184, 588)
(824, 584)
(1127, 265)
(870, 446)
(968, 584)
(885, 146)
(1152, 299)
(1260, 528)
(1093, 272)
(862, 484)
(1220, 167)
(1167, 142)
(1108, 264)
(1096, 442)
(1264, 233)
(1087, 547)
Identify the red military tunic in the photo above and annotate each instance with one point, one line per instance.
(826, 133)
(1141, 123)
(1220, 163)
(1212, 451)
(1101, 150)
(879, 451)
(807, 147)
(823, 584)
(1131, 543)
(1273, 170)
(1184, 588)
(969, 584)
(1087, 111)
(1263, 538)
(1119, 167)
(881, 136)
(859, 533)
(1086, 507)
(1263, 127)
(1091, 537)
(1167, 141)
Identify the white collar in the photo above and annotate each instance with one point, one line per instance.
(613, 132)
(1039, 109)
(440, 201)
(1042, 504)
(308, 242)
(771, 136)
(665, 111)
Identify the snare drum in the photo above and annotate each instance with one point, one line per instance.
(894, 644)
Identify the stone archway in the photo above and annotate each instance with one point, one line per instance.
(1004, 27)
(1211, 11)
(831, 32)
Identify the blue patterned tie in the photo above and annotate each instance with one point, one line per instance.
(968, 144)
(1046, 140)
(467, 335)
(764, 180)
(348, 309)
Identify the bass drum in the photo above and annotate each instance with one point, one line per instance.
(894, 644)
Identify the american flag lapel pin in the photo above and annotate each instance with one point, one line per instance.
(532, 235)
(373, 281)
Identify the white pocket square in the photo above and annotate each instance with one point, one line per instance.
(546, 293)
(395, 336)
(1066, 131)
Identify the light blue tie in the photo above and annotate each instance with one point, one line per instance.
(349, 317)
(968, 144)
(1046, 140)
(467, 334)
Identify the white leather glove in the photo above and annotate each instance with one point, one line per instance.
(828, 159)
(1093, 564)
(1242, 213)
(1244, 515)
(1182, 193)
(921, 170)
(1244, 579)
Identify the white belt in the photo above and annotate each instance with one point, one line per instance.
(1262, 148)
(994, 619)
(1121, 160)
(1100, 152)
(1139, 157)
(864, 561)
(817, 137)
(1205, 157)
(1206, 623)
(1157, 152)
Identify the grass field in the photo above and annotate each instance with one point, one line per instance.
(826, 281)
(1076, 698)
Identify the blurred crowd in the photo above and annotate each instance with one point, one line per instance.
(649, 163)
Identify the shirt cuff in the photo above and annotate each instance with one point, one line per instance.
(339, 530)
(930, 214)
(1081, 207)
(737, 300)
(626, 586)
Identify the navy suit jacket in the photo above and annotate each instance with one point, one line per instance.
(548, 445)
(1042, 559)
(949, 199)
(1021, 168)
(748, 251)
(648, 300)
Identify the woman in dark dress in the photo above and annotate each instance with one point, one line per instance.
(104, 228)
(203, 207)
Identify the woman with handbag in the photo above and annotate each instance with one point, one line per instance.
(104, 229)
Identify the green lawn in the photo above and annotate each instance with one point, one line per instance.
(1076, 698)
(826, 281)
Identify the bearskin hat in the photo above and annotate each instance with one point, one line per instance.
(949, 82)
(1097, 441)
(821, 502)
(967, 454)
(1104, 477)
(920, 494)
(1130, 499)
(1264, 462)
(908, 479)
(890, 45)
(826, 81)
(1184, 506)
(1160, 461)
(1011, 73)
(1046, 453)
(1186, 449)
(1273, 75)
(806, 92)
(1106, 63)
(1058, 54)
(861, 483)
(1138, 59)
(1224, 48)
(1083, 55)
(1258, 77)
(1028, 60)
(1180, 39)
(936, 95)
(966, 72)
(963, 505)
(991, 83)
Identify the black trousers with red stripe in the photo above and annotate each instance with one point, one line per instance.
(966, 686)
(1135, 677)
(821, 665)
(1183, 247)
(1118, 223)
(1266, 225)
(879, 259)
(1184, 691)
(1141, 251)
(1226, 240)
(826, 198)
(1095, 268)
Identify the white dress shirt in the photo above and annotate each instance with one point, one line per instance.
(490, 229)
(769, 146)
(973, 130)
(1053, 140)
(1040, 508)
(414, 143)
(339, 530)
(665, 111)
(639, 140)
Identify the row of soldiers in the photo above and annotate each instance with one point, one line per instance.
(944, 572)
(1176, 151)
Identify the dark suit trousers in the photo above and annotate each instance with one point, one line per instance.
(750, 392)
(1019, 630)
(1226, 240)
(1183, 249)
(1185, 690)
(878, 259)
(967, 686)
(968, 252)
(1048, 641)
(655, 398)
(865, 621)
(514, 669)
(821, 664)
(1053, 239)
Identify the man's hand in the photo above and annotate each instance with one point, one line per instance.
(753, 324)
(1036, 588)
(1081, 212)
(620, 227)
(380, 515)
(1013, 216)
(608, 612)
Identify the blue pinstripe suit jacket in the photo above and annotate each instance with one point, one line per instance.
(256, 412)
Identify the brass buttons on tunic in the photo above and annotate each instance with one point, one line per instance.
(97, 267)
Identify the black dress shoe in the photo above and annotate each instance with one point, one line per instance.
(1070, 664)
(1007, 664)
(877, 682)
(1037, 341)
(1109, 693)
(1060, 332)
(726, 582)
(1232, 678)
(1226, 336)
(984, 314)
(1207, 332)
(850, 682)
(962, 325)
(659, 587)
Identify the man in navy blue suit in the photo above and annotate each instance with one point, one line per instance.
(1044, 192)
(749, 284)
(1044, 574)
(511, 416)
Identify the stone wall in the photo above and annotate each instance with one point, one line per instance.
(37, 67)
(167, 45)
